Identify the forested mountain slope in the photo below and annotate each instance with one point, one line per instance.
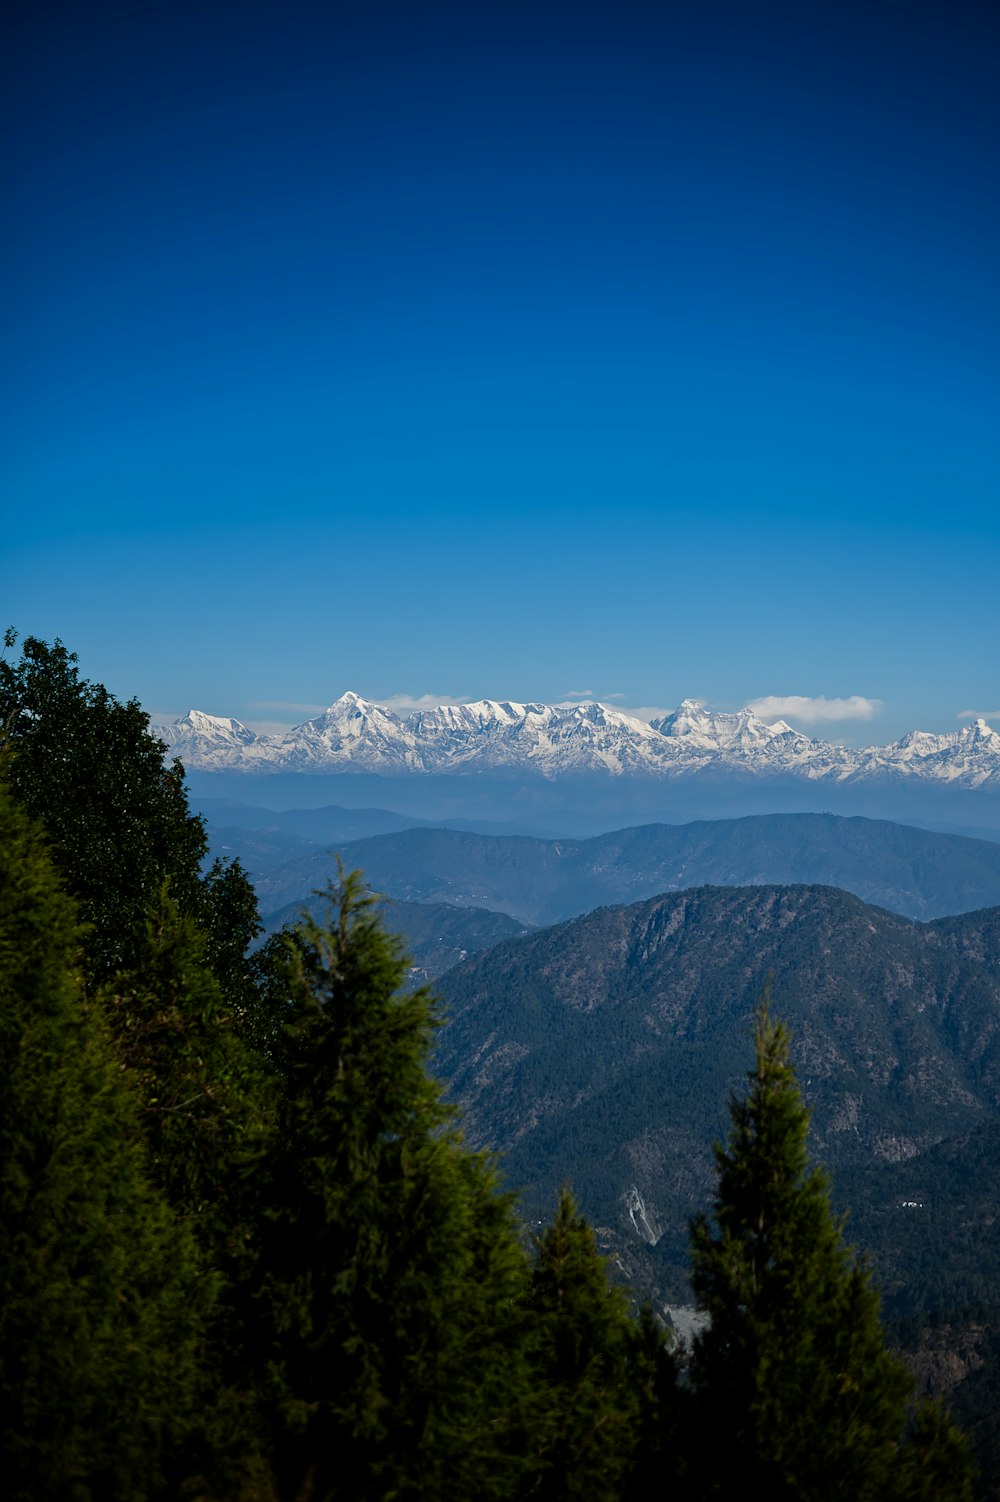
(602, 1051)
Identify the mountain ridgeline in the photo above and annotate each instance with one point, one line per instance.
(918, 873)
(355, 735)
(587, 768)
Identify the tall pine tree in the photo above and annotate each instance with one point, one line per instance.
(386, 1341)
(797, 1395)
(604, 1383)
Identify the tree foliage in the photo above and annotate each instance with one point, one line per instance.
(202, 1095)
(793, 1365)
(116, 817)
(602, 1381)
(390, 1264)
(102, 1296)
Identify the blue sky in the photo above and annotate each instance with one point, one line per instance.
(507, 350)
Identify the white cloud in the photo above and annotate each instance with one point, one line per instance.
(644, 712)
(814, 711)
(979, 714)
(410, 703)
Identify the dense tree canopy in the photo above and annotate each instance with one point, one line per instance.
(203, 1095)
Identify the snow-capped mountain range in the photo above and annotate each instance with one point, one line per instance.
(355, 735)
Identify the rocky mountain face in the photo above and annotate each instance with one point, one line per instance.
(555, 741)
(603, 1051)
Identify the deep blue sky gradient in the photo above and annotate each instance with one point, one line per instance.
(508, 350)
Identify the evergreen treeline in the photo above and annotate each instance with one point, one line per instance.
(245, 1255)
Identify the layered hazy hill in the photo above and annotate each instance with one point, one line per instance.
(916, 872)
(603, 1050)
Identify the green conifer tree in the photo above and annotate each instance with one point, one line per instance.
(102, 1300)
(603, 1381)
(118, 821)
(388, 1307)
(797, 1394)
(660, 1401)
(204, 1096)
(206, 1104)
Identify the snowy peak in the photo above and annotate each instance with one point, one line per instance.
(711, 731)
(209, 729)
(968, 755)
(919, 743)
(353, 716)
(980, 733)
(603, 715)
(484, 715)
(352, 734)
(491, 735)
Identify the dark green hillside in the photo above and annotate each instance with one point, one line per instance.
(931, 1227)
(436, 934)
(932, 1224)
(429, 865)
(603, 1050)
(915, 872)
